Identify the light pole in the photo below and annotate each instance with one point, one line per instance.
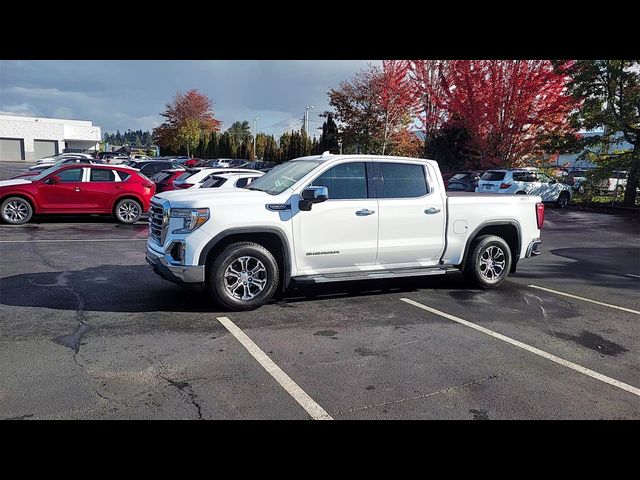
(255, 132)
(306, 119)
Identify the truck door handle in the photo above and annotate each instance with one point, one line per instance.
(77, 189)
(364, 212)
(431, 210)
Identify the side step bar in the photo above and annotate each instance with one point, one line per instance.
(372, 275)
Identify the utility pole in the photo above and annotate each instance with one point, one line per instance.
(255, 132)
(306, 119)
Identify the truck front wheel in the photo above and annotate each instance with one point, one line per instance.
(244, 276)
(489, 262)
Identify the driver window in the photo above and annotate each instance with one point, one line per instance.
(347, 181)
(70, 175)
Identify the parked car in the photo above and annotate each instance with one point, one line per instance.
(315, 220)
(193, 177)
(465, 181)
(164, 179)
(77, 189)
(54, 158)
(576, 179)
(41, 167)
(616, 183)
(262, 166)
(224, 181)
(525, 182)
(151, 167)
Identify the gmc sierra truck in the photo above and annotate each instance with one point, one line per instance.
(332, 218)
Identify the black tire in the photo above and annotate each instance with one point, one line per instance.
(563, 200)
(245, 293)
(128, 211)
(16, 211)
(473, 271)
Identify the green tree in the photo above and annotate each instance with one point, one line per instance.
(329, 137)
(609, 92)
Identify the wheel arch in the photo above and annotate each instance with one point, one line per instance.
(28, 197)
(271, 238)
(508, 230)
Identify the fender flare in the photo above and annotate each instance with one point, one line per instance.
(286, 277)
(494, 223)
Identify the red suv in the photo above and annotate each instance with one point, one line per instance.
(76, 189)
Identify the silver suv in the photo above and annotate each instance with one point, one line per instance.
(525, 182)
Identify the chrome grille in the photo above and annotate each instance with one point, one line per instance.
(156, 223)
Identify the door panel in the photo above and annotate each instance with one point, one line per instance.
(411, 231)
(65, 196)
(341, 233)
(100, 190)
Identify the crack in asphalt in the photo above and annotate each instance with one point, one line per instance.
(185, 387)
(418, 397)
(20, 417)
(72, 340)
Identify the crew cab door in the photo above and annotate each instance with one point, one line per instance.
(341, 233)
(412, 215)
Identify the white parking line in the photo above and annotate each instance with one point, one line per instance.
(632, 275)
(313, 409)
(624, 309)
(78, 240)
(529, 348)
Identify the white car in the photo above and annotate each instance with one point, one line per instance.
(525, 182)
(55, 158)
(330, 218)
(193, 177)
(224, 181)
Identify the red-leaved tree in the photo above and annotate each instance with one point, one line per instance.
(426, 79)
(396, 97)
(508, 107)
(189, 117)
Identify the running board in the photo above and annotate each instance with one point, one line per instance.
(372, 275)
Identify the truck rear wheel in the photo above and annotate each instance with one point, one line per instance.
(244, 276)
(489, 262)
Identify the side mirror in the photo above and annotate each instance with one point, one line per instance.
(311, 195)
(53, 180)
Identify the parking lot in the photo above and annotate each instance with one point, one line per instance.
(89, 331)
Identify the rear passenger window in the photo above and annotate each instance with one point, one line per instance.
(493, 176)
(344, 182)
(123, 175)
(524, 177)
(403, 180)
(99, 175)
(242, 182)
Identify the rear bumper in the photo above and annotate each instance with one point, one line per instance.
(174, 273)
(532, 249)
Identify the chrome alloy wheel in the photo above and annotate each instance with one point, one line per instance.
(129, 211)
(15, 211)
(492, 262)
(245, 278)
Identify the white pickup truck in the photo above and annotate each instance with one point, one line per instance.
(335, 218)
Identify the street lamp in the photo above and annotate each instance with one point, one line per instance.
(255, 132)
(306, 119)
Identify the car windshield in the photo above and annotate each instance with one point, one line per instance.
(283, 176)
(460, 176)
(46, 172)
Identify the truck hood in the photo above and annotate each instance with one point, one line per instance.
(204, 197)
(14, 181)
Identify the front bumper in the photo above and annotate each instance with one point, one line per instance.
(174, 273)
(532, 249)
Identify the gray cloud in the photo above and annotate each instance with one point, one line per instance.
(131, 94)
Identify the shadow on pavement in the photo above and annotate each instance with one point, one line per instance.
(112, 288)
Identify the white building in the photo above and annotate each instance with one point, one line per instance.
(30, 138)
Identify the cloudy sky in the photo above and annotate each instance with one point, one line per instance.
(131, 94)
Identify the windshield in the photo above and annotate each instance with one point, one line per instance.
(46, 172)
(283, 176)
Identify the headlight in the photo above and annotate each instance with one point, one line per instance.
(192, 218)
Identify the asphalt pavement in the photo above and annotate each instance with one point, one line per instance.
(88, 331)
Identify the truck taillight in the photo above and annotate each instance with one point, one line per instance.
(540, 214)
(504, 186)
